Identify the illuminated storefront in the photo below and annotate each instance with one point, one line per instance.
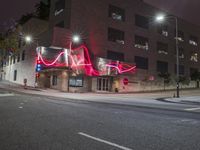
(74, 71)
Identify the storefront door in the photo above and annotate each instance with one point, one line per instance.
(103, 84)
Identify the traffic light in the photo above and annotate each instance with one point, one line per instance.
(38, 65)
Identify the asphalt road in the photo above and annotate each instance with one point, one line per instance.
(30, 122)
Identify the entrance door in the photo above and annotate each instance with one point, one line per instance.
(103, 84)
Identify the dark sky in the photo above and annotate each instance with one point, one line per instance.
(188, 9)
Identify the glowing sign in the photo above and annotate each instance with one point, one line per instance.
(79, 60)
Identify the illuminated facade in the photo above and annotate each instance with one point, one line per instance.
(120, 43)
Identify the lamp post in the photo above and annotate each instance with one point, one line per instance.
(29, 39)
(161, 18)
(74, 39)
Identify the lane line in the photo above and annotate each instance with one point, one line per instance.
(192, 109)
(6, 95)
(104, 141)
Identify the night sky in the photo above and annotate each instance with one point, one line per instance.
(187, 9)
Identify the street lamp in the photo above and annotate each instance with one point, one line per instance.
(161, 18)
(28, 38)
(74, 39)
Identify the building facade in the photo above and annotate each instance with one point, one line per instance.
(124, 32)
(19, 66)
(122, 48)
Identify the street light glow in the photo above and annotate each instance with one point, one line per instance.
(160, 18)
(76, 38)
(28, 39)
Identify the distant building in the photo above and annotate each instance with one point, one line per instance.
(20, 66)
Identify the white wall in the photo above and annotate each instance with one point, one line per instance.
(25, 69)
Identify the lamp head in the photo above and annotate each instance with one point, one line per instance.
(160, 18)
(76, 39)
(28, 38)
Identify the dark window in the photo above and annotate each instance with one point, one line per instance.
(116, 13)
(18, 57)
(141, 42)
(20, 42)
(181, 52)
(115, 35)
(162, 67)
(193, 72)
(60, 24)
(23, 55)
(54, 80)
(60, 4)
(15, 75)
(141, 62)
(141, 21)
(163, 30)
(193, 40)
(181, 69)
(115, 55)
(76, 81)
(162, 48)
(180, 35)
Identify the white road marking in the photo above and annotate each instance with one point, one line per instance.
(192, 109)
(6, 95)
(104, 141)
(20, 107)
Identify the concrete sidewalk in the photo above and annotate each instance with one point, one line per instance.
(128, 98)
(185, 99)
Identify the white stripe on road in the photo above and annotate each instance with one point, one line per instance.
(6, 95)
(192, 109)
(104, 141)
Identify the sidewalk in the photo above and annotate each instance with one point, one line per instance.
(148, 98)
(185, 99)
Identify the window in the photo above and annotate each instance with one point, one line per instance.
(192, 72)
(60, 24)
(193, 40)
(76, 81)
(14, 59)
(181, 53)
(141, 21)
(54, 80)
(115, 56)
(162, 48)
(115, 35)
(141, 62)
(163, 30)
(23, 55)
(18, 57)
(116, 13)
(181, 69)
(141, 42)
(59, 5)
(103, 84)
(180, 36)
(15, 75)
(162, 67)
(11, 58)
(194, 57)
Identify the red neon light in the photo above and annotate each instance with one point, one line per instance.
(86, 63)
